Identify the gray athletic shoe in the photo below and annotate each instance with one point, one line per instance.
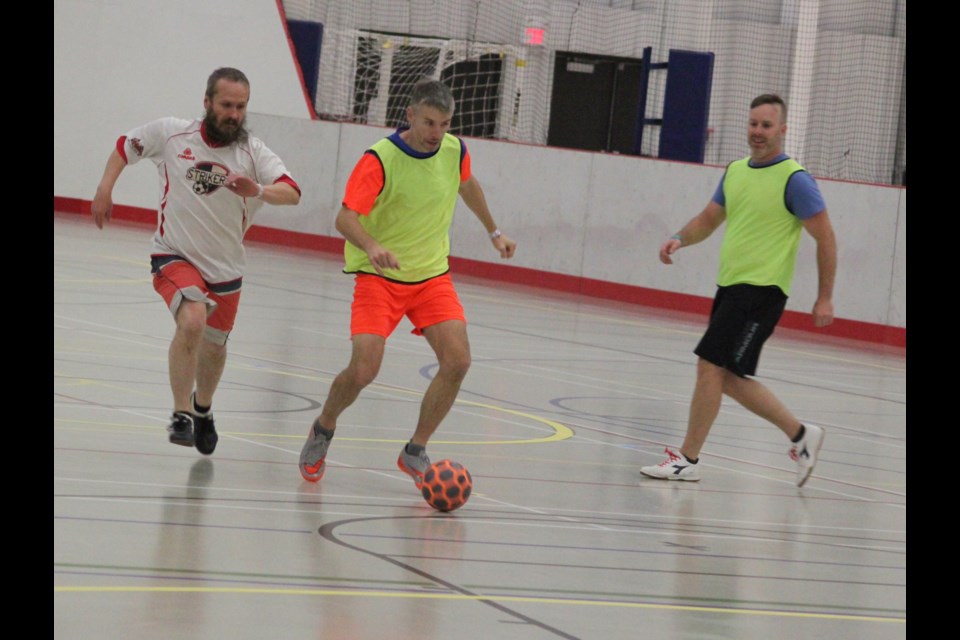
(414, 466)
(805, 452)
(675, 467)
(314, 454)
(181, 429)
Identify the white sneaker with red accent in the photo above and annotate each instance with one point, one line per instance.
(675, 467)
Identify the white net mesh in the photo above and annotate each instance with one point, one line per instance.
(839, 64)
(371, 76)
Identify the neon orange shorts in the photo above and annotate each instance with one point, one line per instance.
(177, 280)
(379, 304)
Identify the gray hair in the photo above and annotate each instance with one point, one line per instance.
(432, 93)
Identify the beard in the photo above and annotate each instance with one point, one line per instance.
(226, 132)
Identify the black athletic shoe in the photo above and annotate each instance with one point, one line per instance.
(204, 433)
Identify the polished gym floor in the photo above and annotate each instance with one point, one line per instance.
(562, 538)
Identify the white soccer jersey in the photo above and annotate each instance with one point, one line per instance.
(198, 219)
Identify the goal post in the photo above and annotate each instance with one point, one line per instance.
(369, 75)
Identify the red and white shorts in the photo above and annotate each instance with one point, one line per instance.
(177, 280)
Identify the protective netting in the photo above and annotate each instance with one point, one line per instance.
(839, 64)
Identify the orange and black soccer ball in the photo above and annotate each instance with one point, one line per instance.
(446, 485)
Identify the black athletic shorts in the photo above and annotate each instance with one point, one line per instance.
(742, 318)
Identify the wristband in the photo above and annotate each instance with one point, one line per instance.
(495, 234)
(260, 191)
(677, 236)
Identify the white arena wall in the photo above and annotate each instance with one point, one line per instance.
(119, 64)
(575, 215)
(603, 216)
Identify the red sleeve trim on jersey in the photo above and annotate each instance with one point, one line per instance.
(365, 184)
(122, 148)
(465, 169)
(287, 179)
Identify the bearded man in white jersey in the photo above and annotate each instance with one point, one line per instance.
(214, 176)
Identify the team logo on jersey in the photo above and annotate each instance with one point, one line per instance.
(137, 145)
(186, 155)
(207, 177)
